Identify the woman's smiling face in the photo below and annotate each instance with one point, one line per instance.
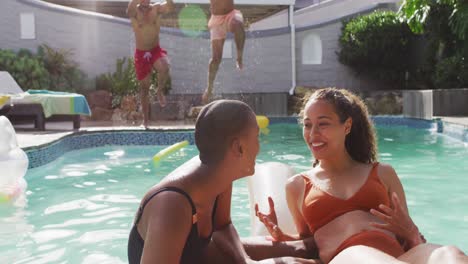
(323, 131)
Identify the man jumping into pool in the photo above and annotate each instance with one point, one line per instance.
(149, 56)
(224, 18)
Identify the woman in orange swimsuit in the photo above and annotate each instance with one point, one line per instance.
(352, 207)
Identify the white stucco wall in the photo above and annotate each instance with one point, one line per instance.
(320, 13)
(97, 41)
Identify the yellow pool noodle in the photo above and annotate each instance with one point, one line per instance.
(262, 121)
(265, 131)
(169, 150)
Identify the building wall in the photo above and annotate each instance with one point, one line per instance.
(330, 72)
(98, 40)
(316, 20)
(321, 13)
(278, 20)
(267, 65)
(450, 102)
(318, 14)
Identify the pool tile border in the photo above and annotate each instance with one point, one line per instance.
(405, 121)
(41, 155)
(457, 131)
(378, 120)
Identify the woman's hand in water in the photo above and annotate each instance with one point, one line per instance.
(270, 220)
(396, 220)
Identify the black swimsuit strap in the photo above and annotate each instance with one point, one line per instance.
(213, 214)
(169, 189)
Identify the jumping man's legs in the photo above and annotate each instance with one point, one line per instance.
(162, 68)
(144, 91)
(216, 56)
(237, 27)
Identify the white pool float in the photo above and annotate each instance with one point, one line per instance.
(13, 163)
(187, 166)
(270, 180)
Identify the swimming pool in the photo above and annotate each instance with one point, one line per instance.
(80, 206)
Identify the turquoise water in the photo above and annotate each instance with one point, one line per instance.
(79, 208)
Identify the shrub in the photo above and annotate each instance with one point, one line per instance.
(28, 71)
(64, 73)
(452, 72)
(444, 26)
(418, 13)
(123, 81)
(376, 45)
(48, 69)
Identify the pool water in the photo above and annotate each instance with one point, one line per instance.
(79, 208)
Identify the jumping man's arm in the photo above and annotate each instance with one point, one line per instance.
(132, 8)
(166, 7)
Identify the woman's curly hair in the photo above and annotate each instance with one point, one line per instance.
(361, 141)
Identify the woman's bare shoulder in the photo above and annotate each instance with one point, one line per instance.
(385, 170)
(387, 174)
(298, 181)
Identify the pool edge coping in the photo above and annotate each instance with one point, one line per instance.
(456, 131)
(273, 120)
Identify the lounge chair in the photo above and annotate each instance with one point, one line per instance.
(40, 105)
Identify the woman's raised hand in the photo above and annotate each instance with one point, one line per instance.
(397, 221)
(270, 220)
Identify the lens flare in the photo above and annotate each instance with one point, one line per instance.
(192, 20)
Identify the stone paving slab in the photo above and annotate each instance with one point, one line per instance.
(460, 120)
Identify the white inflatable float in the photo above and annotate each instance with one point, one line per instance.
(270, 180)
(13, 163)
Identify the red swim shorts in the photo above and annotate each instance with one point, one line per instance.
(144, 60)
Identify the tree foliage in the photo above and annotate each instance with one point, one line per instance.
(376, 45)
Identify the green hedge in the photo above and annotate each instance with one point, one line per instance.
(452, 72)
(27, 69)
(376, 45)
(443, 25)
(47, 69)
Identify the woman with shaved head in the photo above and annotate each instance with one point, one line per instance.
(186, 218)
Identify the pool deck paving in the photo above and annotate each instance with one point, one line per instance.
(27, 136)
(459, 120)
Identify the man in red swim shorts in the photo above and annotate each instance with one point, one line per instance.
(224, 18)
(145, 20)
